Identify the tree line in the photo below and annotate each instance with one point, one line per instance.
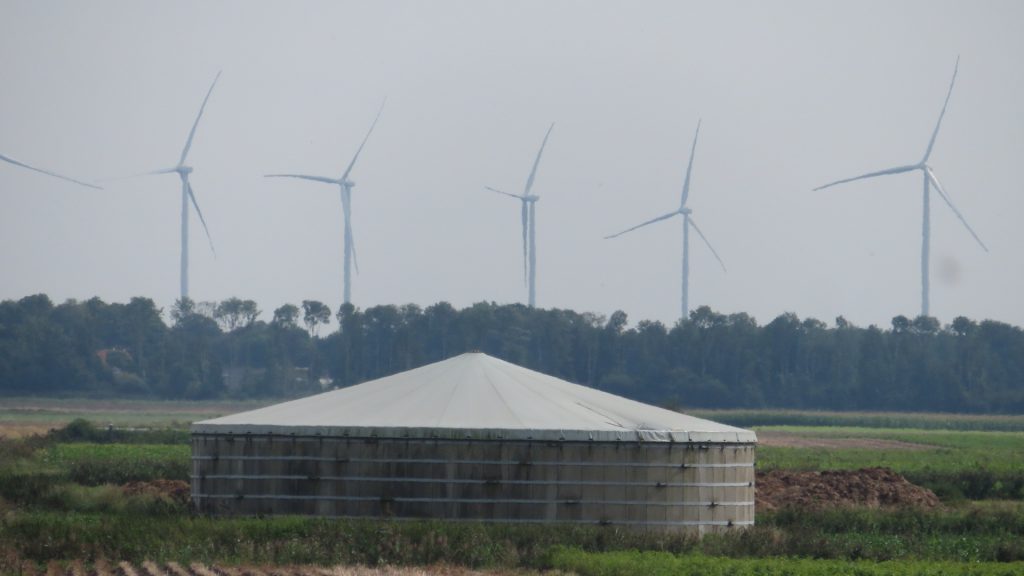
(709, 360)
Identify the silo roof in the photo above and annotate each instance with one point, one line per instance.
(475, 396)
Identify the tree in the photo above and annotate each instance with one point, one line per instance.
(286, 316)
(249, 312)
(229, 314)
(182, 310)
(315, 313)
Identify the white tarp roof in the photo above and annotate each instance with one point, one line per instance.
(475, 396)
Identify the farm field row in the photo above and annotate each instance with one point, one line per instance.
(87, 493)
(25, 416)
(633, 563)
(822, 419)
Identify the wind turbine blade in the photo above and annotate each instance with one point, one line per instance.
(526, 221)
(191, 134)
(141, 174)
(355, 257)
(705, 239)
(536, 161)
(323, 179)
(689, 167)
(195, 204)
(931, 142)
(47, 172)
(651, 221)
(365, 138)
(517, 196)
(949, 202)
(898, 170)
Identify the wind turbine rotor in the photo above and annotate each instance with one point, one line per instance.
(897, 170)
(949, 202)
(931, 143)
(323, 179)
(651, 221)
(365, 138)
(47, 172)
(517, 196)
(195, 204)
(689, 168)
(705, 239)
(536, 161)
(192, 133)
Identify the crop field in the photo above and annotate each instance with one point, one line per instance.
(26, 416)
(91, 499)
(819, 419)
(954, 464)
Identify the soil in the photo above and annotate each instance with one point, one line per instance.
(788, 440)
(867, 487)
(177, 490)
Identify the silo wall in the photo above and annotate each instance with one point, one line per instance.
(684, 487)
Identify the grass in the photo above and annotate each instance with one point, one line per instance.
(920, 421)
(60, 499)
(965, 536)
(95, 464)
(34, 415)
(955, 464)
(632, 562)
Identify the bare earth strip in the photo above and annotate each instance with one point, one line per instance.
(789, 440)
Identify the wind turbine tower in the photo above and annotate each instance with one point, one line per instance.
(688, 221)
(187, 194)
(929, 178)
(345, 185)
(528, 217)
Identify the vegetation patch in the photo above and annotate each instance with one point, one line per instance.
(635, 563)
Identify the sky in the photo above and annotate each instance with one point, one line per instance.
(791, 95)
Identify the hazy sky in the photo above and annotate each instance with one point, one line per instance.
(792, 95)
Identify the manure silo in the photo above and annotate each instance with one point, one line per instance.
(479, 439)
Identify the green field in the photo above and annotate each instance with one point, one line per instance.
(629, 563)
(954, 464)
(62, 498)
(41, 414)
(821, 419)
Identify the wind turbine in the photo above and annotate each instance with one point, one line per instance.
(929, 180)
(47, 172)
(528, 216)
(187, 194)
(687, 223)
(346, 186)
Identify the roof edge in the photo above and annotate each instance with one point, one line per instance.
(737, 435)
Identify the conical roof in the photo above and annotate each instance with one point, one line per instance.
(475, 396)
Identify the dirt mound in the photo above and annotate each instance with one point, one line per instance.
(870, 487)
(177, 490)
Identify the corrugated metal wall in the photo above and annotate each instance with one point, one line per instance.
(685, 487)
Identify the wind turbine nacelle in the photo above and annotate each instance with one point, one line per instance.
(531, 198)
(183, 170)
(349, 183)
(685, 210)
